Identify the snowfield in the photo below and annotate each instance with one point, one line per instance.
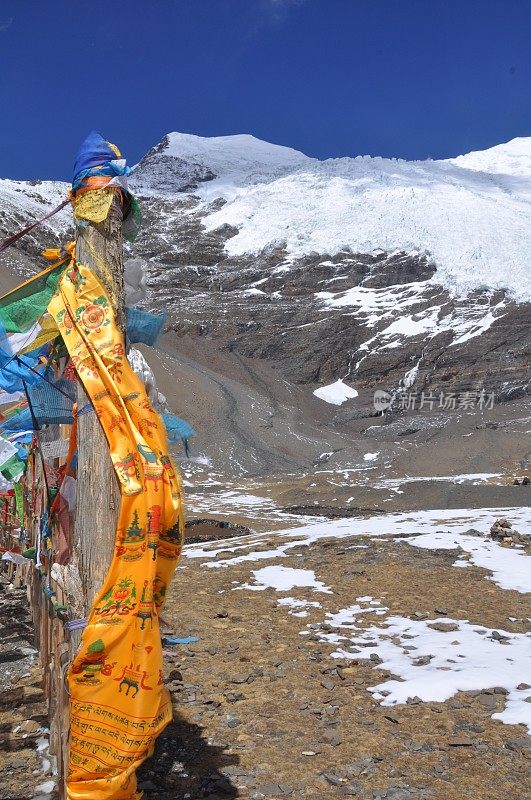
(470, 215)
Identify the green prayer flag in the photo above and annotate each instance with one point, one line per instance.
(19, 501)
(13, 468)
(22, 307)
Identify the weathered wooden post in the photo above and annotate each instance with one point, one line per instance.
(98, 246)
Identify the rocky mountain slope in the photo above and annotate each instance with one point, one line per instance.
(282, 275)
(380, 272)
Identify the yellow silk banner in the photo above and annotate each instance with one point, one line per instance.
(118, 701)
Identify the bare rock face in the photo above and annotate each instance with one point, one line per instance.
(169, 174)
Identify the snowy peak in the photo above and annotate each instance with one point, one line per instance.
(511, 158)
(182, 161)
(469, 215)
(241, 154)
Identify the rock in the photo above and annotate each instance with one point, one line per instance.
(474, 728)
(488, 700)
(362, 766)
(232, 721)
(331, 737)
(332, 778)
(422, 661)
(246, 677)
(212, 702)
(500, 637)
(398, 793)
(28, 726)
(445, 627)
(328, 683)
(460, 741)
(522, 745)
(234, 697)
(351, 790)
(147, 786)
(269, 790)
(501, 528)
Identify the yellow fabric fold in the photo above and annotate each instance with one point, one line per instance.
(118, 701)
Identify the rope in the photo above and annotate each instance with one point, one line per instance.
(16, 236)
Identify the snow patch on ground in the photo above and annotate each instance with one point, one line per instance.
(299, 608)
(470, 477)
(336, 393)
(510, 568)
(433, 665)
(428, 660)
(285, 578)
(228, 502)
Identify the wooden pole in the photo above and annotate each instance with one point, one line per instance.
(100, 247)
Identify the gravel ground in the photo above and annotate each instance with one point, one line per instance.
(264, 712)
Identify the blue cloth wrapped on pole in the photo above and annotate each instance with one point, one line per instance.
(99, 164)
(96, 156)
(143, 326)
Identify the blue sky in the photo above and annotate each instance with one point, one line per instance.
(407, 78)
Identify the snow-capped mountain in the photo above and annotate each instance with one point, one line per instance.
(381, 272)
(470, 215)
